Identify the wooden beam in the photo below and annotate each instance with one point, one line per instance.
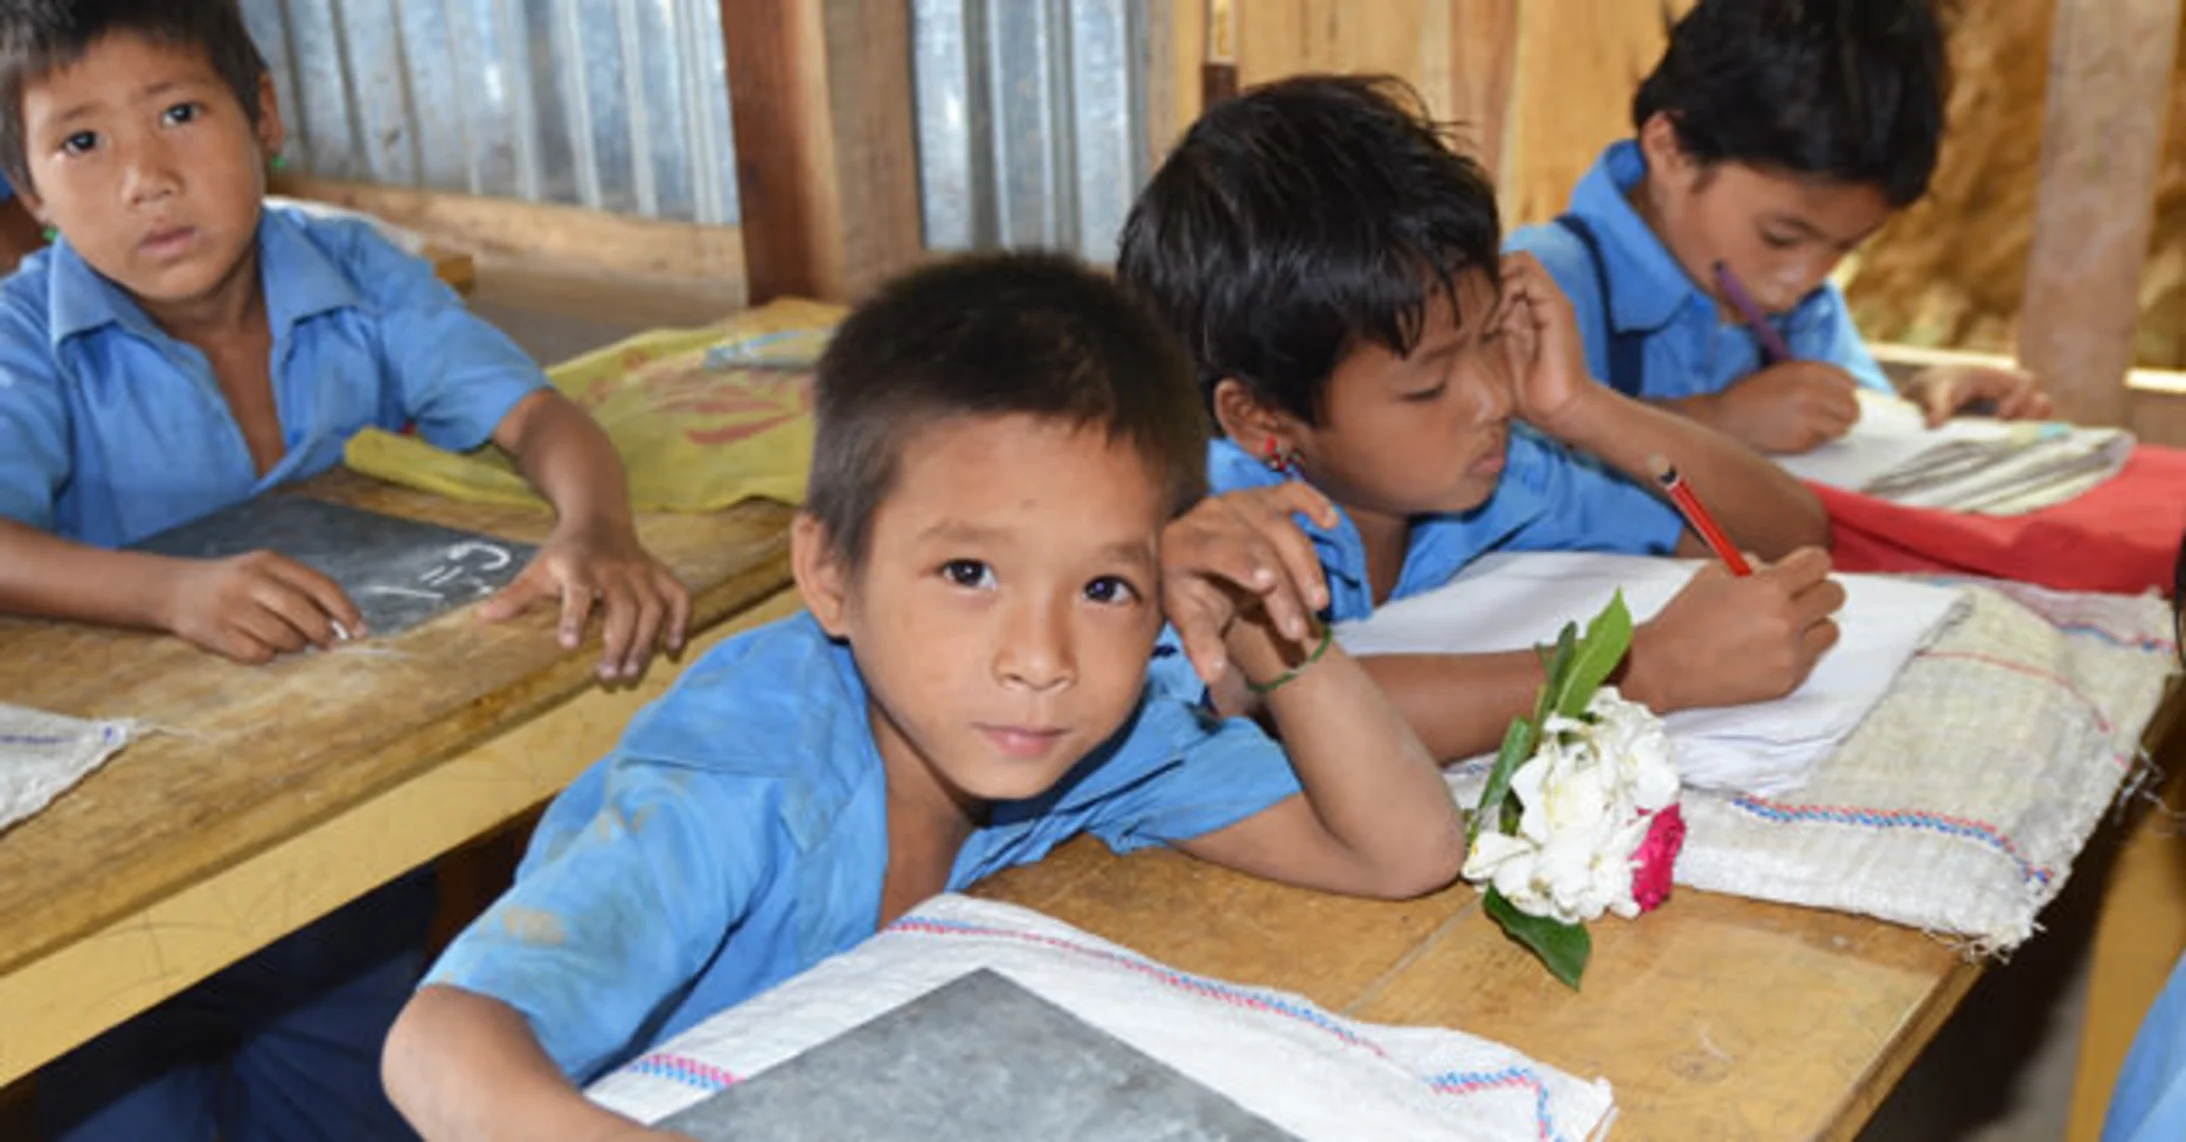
(826, 158)
(2102, 138)
(503, 233)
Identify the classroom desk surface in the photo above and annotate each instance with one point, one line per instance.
(1714, 1017)
(264, 797)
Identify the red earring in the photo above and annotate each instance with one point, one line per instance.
(1277, 457)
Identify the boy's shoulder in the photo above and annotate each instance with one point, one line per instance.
(297, 243)
(767, 703)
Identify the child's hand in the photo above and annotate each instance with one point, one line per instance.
(642, 604)
(255, 606)
(1242, 553)
(1725, 641)
(1944, 391)
(1791, 407)
(1541, 340)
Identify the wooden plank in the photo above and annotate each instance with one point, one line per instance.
(2102, 139)
(1715, 1017)
(251, 756)
(826, 159)
(500, 233)
(1409, 39)
(1483, 68)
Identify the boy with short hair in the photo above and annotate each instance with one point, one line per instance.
(179, 349)
(182, 348)
(1005, 499)
(1773, 137)
(1332, 264)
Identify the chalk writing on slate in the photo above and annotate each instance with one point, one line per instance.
(979, 1059)
(399, 572)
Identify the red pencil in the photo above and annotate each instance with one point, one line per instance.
(1703, 524)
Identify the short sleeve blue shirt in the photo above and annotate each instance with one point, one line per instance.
(737, 835)
(1688, 349)
(1550, 499)
(111, 430)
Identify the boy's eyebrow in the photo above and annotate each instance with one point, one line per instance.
(1811, 230)
(958, 531)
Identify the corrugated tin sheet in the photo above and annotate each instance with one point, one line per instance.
(1031, 121)
(618, 105)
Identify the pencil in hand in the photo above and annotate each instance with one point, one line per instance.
(1773, 349)
(1696, 516)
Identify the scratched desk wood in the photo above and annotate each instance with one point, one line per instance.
(1716, 1017)
(272, 795)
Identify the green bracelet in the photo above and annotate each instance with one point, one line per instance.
(1328, 635)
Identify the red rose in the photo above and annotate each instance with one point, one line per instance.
(1656, 858)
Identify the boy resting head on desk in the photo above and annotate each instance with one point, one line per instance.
(1006, 499)
(1774, 136)
(181, 348)
(1332, 263)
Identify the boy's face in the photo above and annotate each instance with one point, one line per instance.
(1780, 233)
(141, 156)
(1427, 433)
(1007, 605)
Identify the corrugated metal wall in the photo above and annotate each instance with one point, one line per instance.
(618, 105)
(1031, 121)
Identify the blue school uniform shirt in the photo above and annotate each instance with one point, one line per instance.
(2148, 1103)
(1687, 349)
(111, 430)
(737, 835)
(1549, 499)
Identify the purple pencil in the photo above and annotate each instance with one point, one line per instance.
(1773, 349)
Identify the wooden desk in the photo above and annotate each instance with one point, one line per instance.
(1715, 1017)
(268, 796)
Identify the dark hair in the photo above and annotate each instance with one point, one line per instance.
(1299, 218)
(1852, 90)
(38, 37)
(995, 335)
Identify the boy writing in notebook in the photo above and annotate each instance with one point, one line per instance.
(1772, 138)
(1332, 264)
(1005, 500)
(182, 348)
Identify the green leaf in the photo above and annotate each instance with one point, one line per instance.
(1607, 638)
(1562, 948)
(1558, 666)
(1517, 747)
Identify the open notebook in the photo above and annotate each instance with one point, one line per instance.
(1514, 601)
(1968, 464)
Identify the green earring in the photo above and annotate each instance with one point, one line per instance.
(51, 233)
(278, 161)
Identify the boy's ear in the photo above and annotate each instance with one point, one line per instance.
(823, 576)
(1248, 421)
(1665, 154)
(272, 135)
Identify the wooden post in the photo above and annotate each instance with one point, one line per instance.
(2102, 137)
(1483, 65)
(826, 157)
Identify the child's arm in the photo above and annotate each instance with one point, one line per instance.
(249, 607)
(1376, 818)
(1785, 409)
(449, 1044)
(1762, 506)
(594, 554)
(1721, 641)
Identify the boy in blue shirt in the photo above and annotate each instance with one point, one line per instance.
(1005, 499)
(1773, 138)
(182, 348)
(1332, 264)
(179, 349)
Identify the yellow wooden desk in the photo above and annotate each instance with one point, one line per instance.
(1714, 1017)
(268, 796)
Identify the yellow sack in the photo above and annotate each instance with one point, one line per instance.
(703, 418)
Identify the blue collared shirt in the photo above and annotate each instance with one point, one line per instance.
(1549, 499)
(1689, 349)
(111, 430)
(737, 835)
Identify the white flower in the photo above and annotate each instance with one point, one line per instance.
(1584, 798)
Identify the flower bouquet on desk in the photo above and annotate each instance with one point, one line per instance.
(1580, 815)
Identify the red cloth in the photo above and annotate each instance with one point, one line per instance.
(2122, 536)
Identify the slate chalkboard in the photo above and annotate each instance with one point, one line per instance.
(979, 1059)
(399, 572)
